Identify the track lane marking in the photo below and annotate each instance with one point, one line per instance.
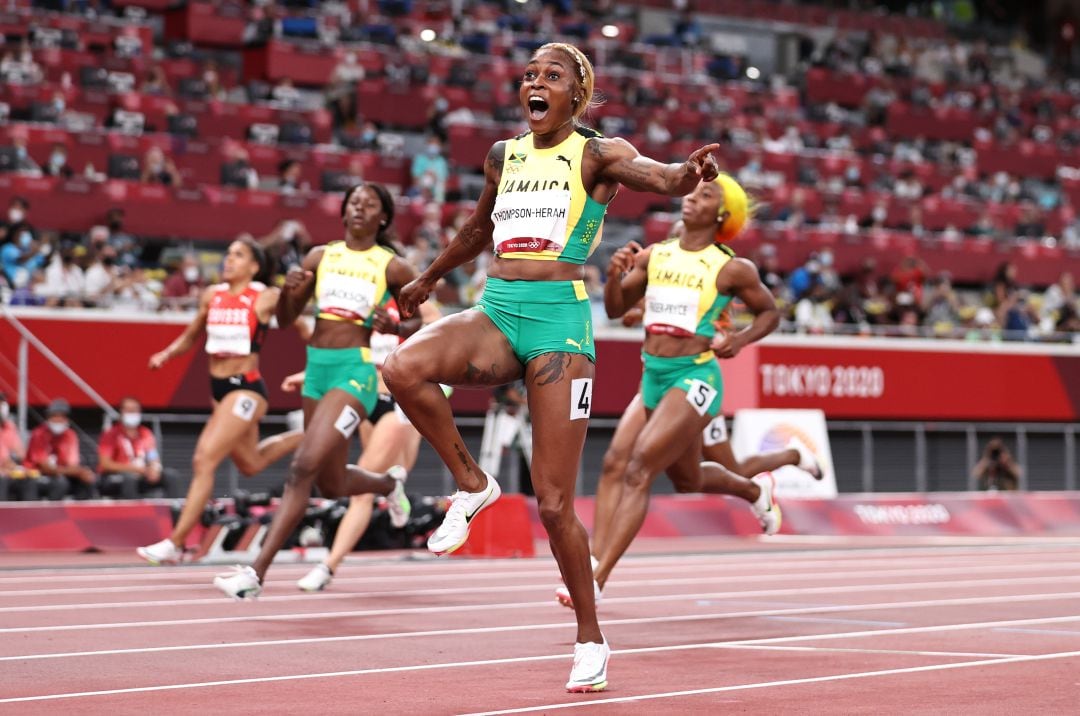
(785, 682)
(611, 622)
(775, 575)
(527, 659)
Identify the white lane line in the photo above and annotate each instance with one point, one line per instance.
(825, 620)
(786, 682)
(674, 619)
(1044, 632)
(775, 573)
(844, 650)
(809, 557)
(490, 662)
(741, 594)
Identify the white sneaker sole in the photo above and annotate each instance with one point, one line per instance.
(153, 560)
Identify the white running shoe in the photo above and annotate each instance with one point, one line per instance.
(317, 579)
(562, 594)
(807, 461)
(590, 667)
(241, 583)
(163, 552)
(464, 506)
(397, 503)
(766, 509)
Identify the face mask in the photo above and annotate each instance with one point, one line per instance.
(5, 411)
(20, 152)
(16, 215)
(433, 149)
(57, 428)
(368, 136)
(58, 159)
(880, 214)
(191, 274)
(25, 239)
(59, 105)
(131, 420)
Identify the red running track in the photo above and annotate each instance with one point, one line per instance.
(790, 625)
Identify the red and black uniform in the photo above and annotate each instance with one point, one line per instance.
(233, 329)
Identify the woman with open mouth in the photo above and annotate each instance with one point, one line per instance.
(543, 206)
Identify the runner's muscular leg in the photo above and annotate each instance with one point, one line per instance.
(464, 349)
(755, 464)
(672, 428)
(320, 458)
(384, 445)
(231, 420)
(555, 382)
(609, 487)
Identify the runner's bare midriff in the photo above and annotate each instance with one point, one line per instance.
(533, 270)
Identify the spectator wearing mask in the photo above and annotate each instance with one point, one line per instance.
(54, 452)
(101, 274)
(129, 464)
(65, 282)
(430, 170)
(21, 254)
(58, 166)
(127, 246)
(24, 163)
(184, 284)
(13, 477)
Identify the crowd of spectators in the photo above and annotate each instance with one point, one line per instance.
(107, 267)
(51, 464)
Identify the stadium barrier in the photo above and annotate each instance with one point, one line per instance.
(508, 527)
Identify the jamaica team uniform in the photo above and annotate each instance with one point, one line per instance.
(348, 286)
(543, 213)
(681, 300)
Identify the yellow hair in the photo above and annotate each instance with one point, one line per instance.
(739, 207)
(583, 74)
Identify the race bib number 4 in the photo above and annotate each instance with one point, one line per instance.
(580, 398)
(700, 395)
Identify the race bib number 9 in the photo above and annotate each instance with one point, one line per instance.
(244, 408)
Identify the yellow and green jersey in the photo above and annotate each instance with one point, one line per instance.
(349, 284)
(681, 297)
(542, 211)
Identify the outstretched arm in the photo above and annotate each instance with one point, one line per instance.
(467, 244)
(185, 340)
(618, 160)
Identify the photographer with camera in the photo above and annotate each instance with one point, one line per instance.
(996, 469)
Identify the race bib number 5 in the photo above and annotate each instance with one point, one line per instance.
(700, 395)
